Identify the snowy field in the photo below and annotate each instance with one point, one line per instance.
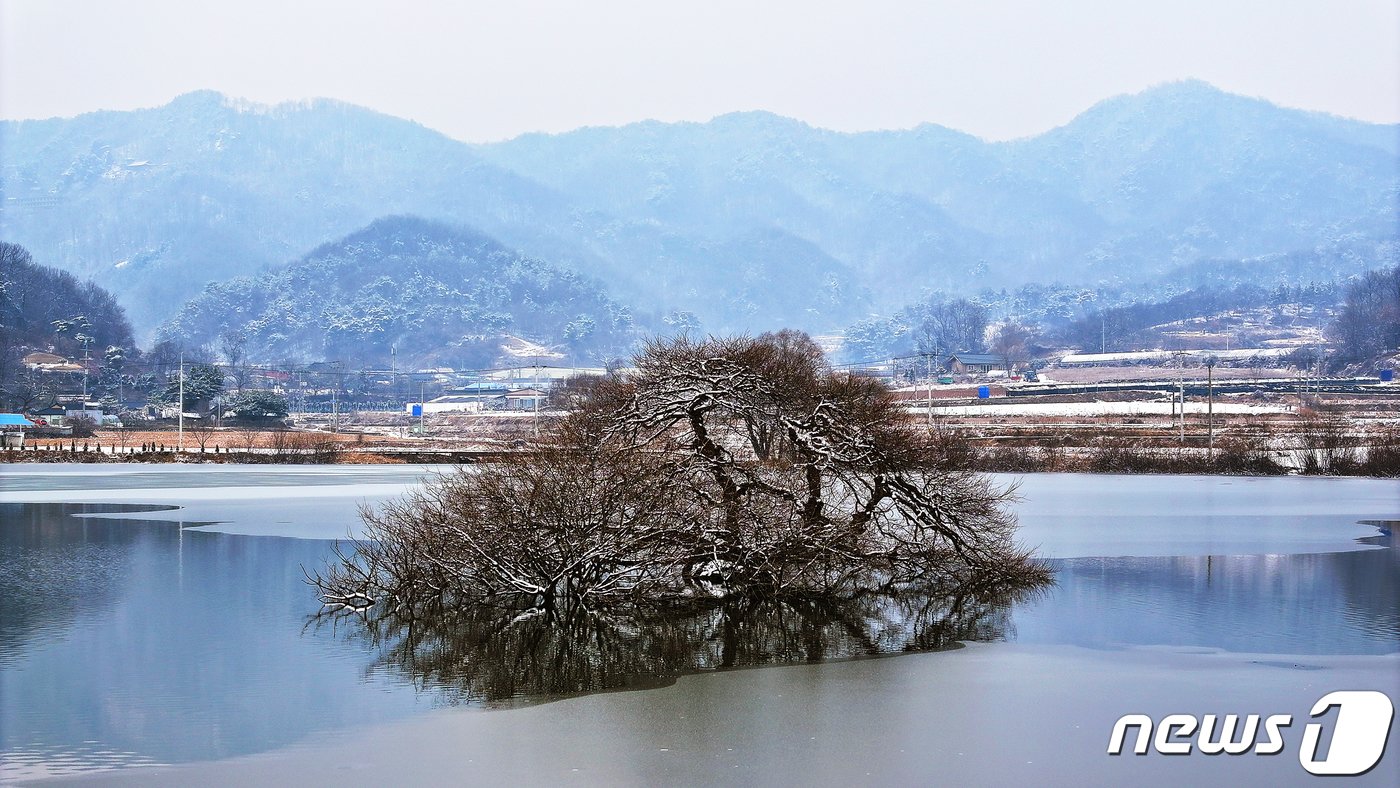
(1168, 355)
(1096, 409)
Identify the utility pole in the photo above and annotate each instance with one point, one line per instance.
(335, 400)
(87, 359)
(929, 365)
(182, 403)
(422, 405)
(1210, 407)
(1181, 395)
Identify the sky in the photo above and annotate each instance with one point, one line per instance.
(483, 71)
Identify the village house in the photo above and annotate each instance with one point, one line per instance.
(972, 363)
(526, 399)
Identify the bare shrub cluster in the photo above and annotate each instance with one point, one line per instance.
(1382, 453)
(287, 446)
(1325, 445)
(1242, 454)
(84, 426)
(718, 466)
(1247, 455)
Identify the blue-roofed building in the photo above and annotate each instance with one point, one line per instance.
(12, 427)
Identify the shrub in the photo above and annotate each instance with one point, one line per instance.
(1382, 453)
(1325, 445)
(83, 426)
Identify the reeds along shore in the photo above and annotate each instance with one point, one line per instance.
(1322, 447)
(280, 447)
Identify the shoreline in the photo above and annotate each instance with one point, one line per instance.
(1019, 459)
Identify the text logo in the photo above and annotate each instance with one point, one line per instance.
(1357, 741)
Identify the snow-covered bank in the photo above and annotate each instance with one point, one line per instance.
(1062, 515)
(306, 502)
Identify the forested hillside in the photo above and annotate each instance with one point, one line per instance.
(435, 293)
(45, 309)
(748, 222)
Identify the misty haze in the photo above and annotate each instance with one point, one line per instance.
(724, 448)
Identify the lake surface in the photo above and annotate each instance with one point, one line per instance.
(150, 637)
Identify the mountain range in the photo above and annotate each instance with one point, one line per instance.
(750, 221)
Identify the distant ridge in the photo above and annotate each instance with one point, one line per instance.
(749, 221)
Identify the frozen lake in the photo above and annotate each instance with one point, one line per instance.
(163, 635)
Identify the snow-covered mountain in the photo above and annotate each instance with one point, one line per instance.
(750, 221)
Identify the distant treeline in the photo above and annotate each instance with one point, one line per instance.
(1118, 328)
(1369, 322)
(1060, 314)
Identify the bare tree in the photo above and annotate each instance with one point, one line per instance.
(855, 490)
(1369, 322)
(123, 434)
(202, 430)
(1009, 340)
(248, 438)
(950, 327)
(657, 486)
(232, 343)
(28, 391)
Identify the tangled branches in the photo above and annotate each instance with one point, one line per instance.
(717, 467)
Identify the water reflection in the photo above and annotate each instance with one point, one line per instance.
(1329, 603)
(55, 566)
(132, 641)
(495, 654)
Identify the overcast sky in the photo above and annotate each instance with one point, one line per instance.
(483, 71)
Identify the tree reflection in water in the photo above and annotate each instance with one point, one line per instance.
(498, 653)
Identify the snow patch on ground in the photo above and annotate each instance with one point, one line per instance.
(1167, 355)
(1094, 409)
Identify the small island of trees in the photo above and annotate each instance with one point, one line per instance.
(716, 468)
